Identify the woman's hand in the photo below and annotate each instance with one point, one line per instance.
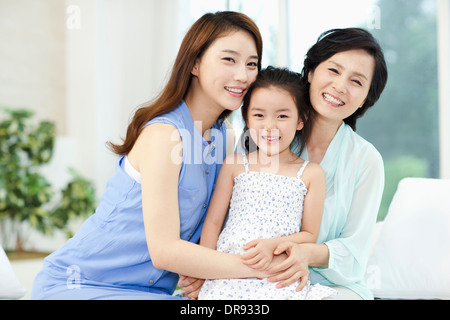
(190, 286)
(292, 269)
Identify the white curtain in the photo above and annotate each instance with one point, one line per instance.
(118, 57)
(444, 85)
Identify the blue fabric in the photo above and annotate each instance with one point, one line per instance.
(108, 257)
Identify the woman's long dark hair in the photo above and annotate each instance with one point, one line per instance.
(200, 36)
(339, 40)
(293, 83)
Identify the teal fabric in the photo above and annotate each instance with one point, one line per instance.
(354, 173)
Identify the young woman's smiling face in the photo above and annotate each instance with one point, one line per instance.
(226, 70)
(273, 120)
(340, 85)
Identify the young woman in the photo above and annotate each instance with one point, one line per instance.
(346, 73)
(144, 231)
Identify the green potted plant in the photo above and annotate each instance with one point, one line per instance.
(25, 195)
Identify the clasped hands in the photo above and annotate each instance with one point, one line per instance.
(284, 263)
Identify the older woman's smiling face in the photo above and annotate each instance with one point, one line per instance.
(340, 85)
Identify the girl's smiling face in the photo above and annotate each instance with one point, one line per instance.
(273, 120)
(340, 85)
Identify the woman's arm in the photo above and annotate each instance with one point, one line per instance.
(158, 158)
(213, 224)
(349, 253)
(218, 206)
(313, 203)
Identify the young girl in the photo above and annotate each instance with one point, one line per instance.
(275, 195)
(145, 230)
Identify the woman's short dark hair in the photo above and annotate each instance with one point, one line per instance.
(339, 40)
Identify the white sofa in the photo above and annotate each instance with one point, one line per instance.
(10, 286)
(410, 257)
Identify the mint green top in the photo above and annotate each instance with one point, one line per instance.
(354, 173)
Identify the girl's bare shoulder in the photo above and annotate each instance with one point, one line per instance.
(313, 171)
(234, 164)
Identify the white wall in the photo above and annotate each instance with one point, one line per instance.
(32, 57)
(117, 60)
(87, 65)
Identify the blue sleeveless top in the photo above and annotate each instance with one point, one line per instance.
(110, 249)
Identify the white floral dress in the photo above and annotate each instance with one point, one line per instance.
(262, 206)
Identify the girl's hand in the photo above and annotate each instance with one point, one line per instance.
(261, 255)
(190, 286)
(294, 268)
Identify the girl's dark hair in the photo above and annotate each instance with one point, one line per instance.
(293, 83)
(197, 40)
(339, 40)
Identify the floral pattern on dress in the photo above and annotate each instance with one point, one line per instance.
(262, 206)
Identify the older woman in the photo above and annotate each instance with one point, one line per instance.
(346, 74)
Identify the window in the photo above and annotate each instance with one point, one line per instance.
(265, 13)
(403, 125)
